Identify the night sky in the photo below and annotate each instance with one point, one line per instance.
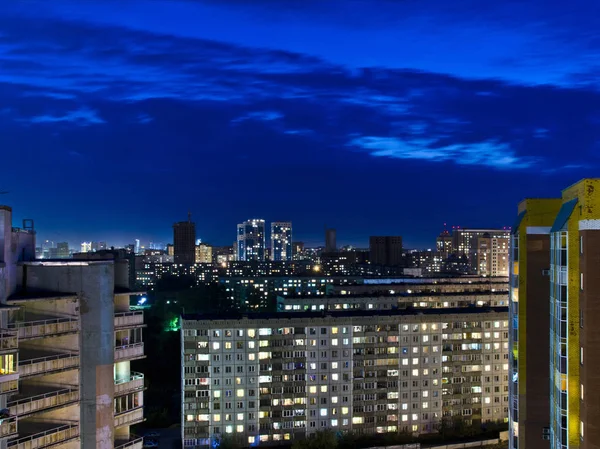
(373, 117)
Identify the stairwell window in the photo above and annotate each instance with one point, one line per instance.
(581, 281)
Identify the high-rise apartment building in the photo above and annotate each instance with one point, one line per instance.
(486, 249)
(251, 240)
(204, 253)
(184, 241)
(67, 341)
(86, 247)
(385, 250)
(530, 292)
(491, 253)
(443, 244)
(560, 240)
(280, 377)
(281, 241)
(330, 240)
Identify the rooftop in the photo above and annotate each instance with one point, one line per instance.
(342, 314)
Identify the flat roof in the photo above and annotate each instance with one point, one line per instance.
(30, 295)
(343, 314)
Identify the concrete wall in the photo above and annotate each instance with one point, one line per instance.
(94, 283)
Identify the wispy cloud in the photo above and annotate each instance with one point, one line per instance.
(82, 117)
(490, 154)
(265, 116)
(400, 114)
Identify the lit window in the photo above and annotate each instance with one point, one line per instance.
(323, 412)
(190, 417)
(229, 429)
(240, 417)
(251, 440)
(216, 345)
(240, 428)
(240, 393)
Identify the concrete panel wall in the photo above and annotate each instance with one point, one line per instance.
(94, 284)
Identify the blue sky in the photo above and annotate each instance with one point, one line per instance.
(374, 117)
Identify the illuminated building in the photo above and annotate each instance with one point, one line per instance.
(272, 378)
(486, 249)
(251, 240)
(281, 241)
(86, 247)
(555, 292)
(530, 292)
(204, 253)
(385, 250)
(184, 241)
(443, 244)
(67, 340)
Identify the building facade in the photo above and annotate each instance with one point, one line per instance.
(492, 255)
(330, 240)
(204, 253)
(251, 240)
(68, 338)
(281, 241)
(486, 249)
(184, 241)
(280, 377)
(385, 250)
(529, 293)
(559, 240)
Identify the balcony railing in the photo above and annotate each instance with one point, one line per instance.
(47, 438)
(129, 319)
(43, 328)
(134, 442)
(41, 365)
(9, 340)
(134, 382)
(39, 402)
(130, 417)
(8, 426)
(129, 352)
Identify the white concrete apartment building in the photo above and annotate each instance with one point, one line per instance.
(270, 378)
(67, 340)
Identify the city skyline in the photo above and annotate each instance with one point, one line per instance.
(486, 105)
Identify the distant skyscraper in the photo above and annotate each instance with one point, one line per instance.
(137, 246)
(465, 242)
(385, 250)
(330, 241)
(443, 244)
(251, 240)
(184, 241)
(98, 246)
(63, 250)
(281, 241)
(86, 247)
(204, 253)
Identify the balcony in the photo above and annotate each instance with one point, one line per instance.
(40, 434)
(8, 427)
(9, 341)
(130, 417)
(134, 442)
(129, 352)
(45, 327)
(129, 319)
(36, 363)
(31, 400)
(128, 384)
